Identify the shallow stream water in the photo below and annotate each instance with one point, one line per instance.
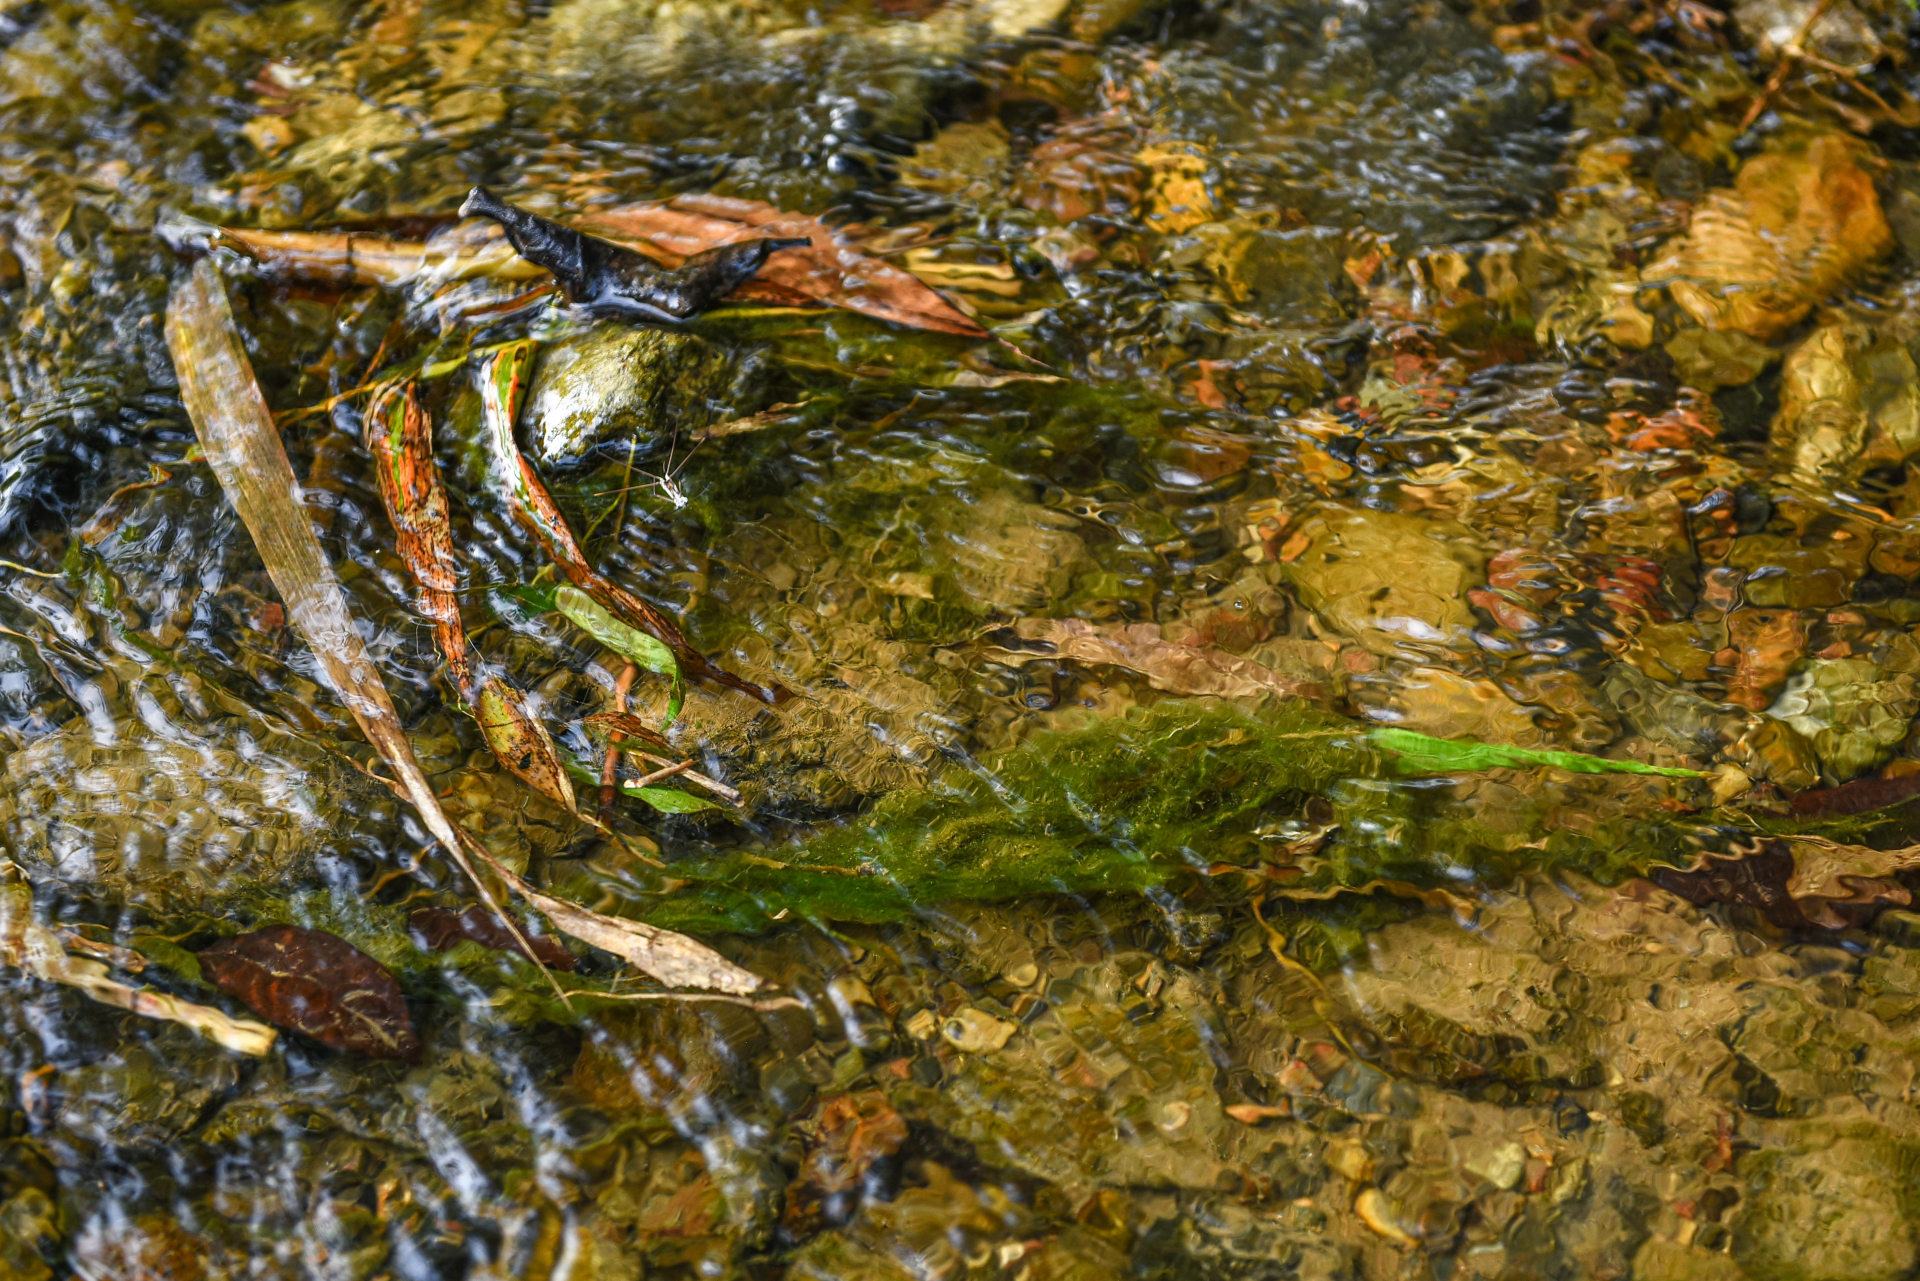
(1348, 645)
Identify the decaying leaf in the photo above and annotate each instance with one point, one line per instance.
(29, 946)
(440, 928)
(853, 1133)
(503, 380)
(827, 269)
(613, 281)
(316, 983)
(1798, 881)
(1178, 669)
(830, 270)
(673, 959)
(399, 438)
(521, 742)
(1862, 796)
(244, 449)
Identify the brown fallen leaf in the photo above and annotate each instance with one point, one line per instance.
(318, 984)
(1178, 669)
(1795, 226)
(438, 929)
(830, 270)
(521, 743)
(1798, 881)
(853, 1132)
(399, 438)
(1862, 796)
(1766, 644)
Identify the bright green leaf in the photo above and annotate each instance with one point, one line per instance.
(668, 801)
(1420, 754)
(643, 650)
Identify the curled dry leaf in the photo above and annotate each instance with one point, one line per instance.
(673, 959)
(829, 270)
(616, 282)
(1139, 647)
(1798, 881)
(438, 929)
(29, 946)
(313, 982)
(502, 381)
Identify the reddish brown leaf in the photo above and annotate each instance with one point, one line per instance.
(1766, 644)
(607, 724)
(1858, 797)
(1798, 881)
(829, 270)
(439, 929)
(521, 743)
(853, 1132)
(399, 438)
(315, 983)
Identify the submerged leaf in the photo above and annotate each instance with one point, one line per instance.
(399, 437)
(1179, 669)
(502, 380)
(313, 982)
(613, 281)
(1798, 881)
(521, 742)
(244, 449)
(673, 959)
(642, 650)
(1419, 754)
(439, 928)
(828, 270)
(669, 801)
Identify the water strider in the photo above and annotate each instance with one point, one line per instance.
(1020, 639)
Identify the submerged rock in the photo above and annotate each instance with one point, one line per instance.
(1795, 225)
(1384, 579)
(1854, 714)
(1828, 1211)
(616, 384)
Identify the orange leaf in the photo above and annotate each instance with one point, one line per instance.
(829, 270)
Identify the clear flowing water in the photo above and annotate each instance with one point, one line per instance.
(1361, 730)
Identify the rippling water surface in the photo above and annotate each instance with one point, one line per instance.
(1343, 578)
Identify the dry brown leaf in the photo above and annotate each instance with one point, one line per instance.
(1798, 881)
(1178, 669)
(830, 270)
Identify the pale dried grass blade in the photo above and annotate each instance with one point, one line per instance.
(673, 959)
(27, 945)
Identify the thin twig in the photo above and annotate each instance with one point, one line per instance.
(610, 772)
(1792, 53)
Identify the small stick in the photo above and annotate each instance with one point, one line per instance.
(1788, 56)
(610, 772)
(648, 780)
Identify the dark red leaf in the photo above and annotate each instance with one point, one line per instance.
(439, 929)
(1758, 880)
(1858, 797)
(315, 983)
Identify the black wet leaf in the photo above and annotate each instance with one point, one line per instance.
(617, 283)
